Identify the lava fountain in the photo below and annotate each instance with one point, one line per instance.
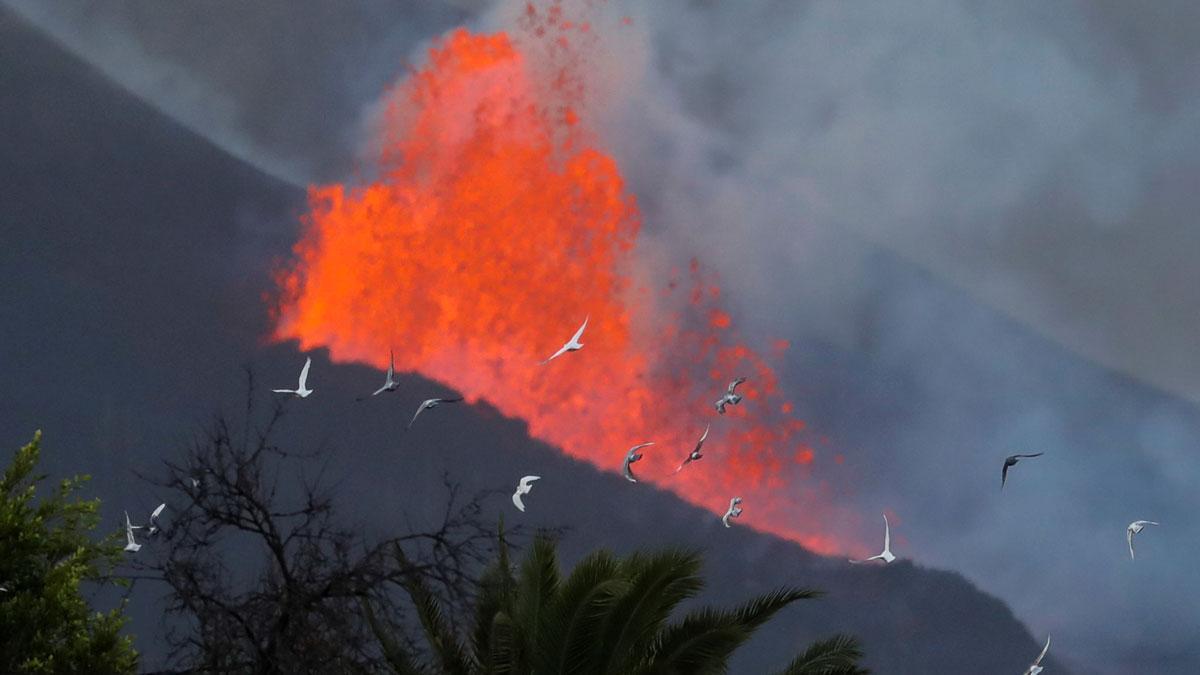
(494, 225)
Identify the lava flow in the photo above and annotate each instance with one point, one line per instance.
(493, 228)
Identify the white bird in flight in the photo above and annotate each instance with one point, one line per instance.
(573, 345)
(1036, 666)
(729, 397)
(1135, 528)
(431, 403)
(695, 453)
(886, 556)
(131, 546)
(733, 512)
(389, 381)
(630, 457)
(523, 488)
(154, 519)
(301, 391)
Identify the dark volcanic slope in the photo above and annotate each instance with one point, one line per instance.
(134, 255)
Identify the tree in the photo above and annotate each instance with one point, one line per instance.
(610, 615)
(46, 554)
(265, 576)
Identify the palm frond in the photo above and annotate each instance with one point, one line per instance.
(760, 610)
(537, 586)
(502, 650)
(705, 639)
(445, 644)
(392, 652)
(839, 655)
(495, 594)
(580, 608)
(657, 584)
(701, 642)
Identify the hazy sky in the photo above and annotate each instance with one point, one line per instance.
(1039, 159)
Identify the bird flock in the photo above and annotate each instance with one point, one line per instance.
(729, 397)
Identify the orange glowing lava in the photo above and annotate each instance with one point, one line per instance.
(494, 227)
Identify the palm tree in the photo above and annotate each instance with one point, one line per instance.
(609, 616)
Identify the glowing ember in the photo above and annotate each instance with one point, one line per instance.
(495, 226)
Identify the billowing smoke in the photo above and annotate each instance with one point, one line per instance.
(496, 226)
(869, 181)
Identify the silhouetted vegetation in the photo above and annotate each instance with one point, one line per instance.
(267, 579)
(609, 616)
(46, 554)
(262, 576)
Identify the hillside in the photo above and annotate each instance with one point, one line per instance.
(138, 255)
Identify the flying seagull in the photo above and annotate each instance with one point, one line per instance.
(695, 454)
(733, 512)
(523, 488)
(1036, 666)
(630, 457)
(431, 403)
(729, 397)
(1135, 528)
(886, 556)
(131, 546)
(389, 382)
(1012, 460)
(573, 345)
(154, 520)
(302, 391)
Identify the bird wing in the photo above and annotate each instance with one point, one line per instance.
(579, 333)
(416, 414)
(684, 463)
(1003, 475)
(1036, 454)
(625, 469)
(562, 350)
(391, 373)
(450, 400)
(527, 480)
(378, 391)
(887, 534)
(733, 385)
(629, 459)
(1129, 538)
(701, 441)
(158, 511)
(517, 501)
(128, 530)
(1045, 649)
(304, 374)
(284, 391)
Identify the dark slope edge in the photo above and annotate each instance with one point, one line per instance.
(134, 255)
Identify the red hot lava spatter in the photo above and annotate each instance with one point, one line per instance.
(494, 227)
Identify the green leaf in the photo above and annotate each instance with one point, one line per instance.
(839, 655)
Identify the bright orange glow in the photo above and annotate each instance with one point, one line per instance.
(494, 227)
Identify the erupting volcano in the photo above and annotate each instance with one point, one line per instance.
(493, 227)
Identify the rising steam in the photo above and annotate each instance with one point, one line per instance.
(494, 226)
